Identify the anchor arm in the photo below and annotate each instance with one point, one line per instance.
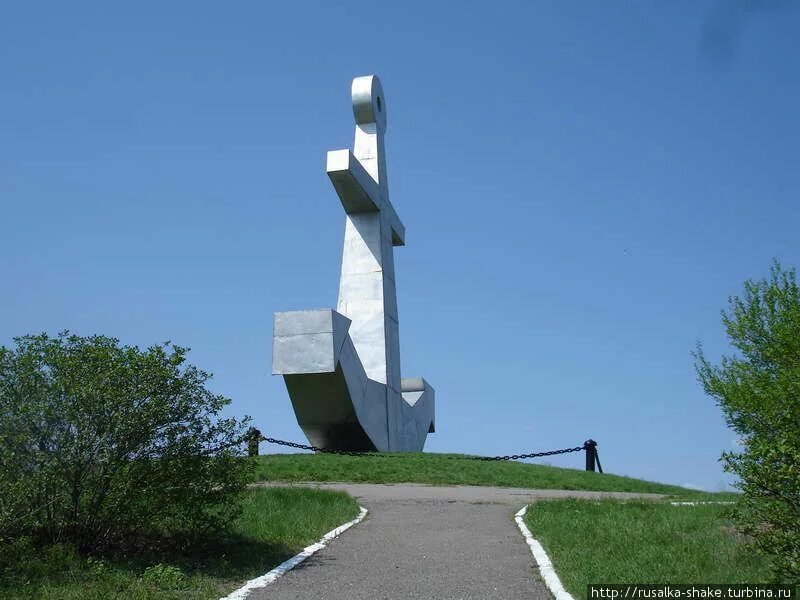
(359, 193)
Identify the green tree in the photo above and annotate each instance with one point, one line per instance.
(758, 390)
(100, 443)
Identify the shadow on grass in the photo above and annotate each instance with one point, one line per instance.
(227, 559)
(231, 557)
(273, 526)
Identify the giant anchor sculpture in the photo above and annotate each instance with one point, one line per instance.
(342, 367)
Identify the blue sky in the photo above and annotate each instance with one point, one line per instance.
(583, 186)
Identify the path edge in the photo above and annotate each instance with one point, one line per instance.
(546, 568)
(699, 503)
(286, 566)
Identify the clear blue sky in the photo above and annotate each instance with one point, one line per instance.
(583, 185)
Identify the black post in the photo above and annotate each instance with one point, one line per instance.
(591, 453)
(253, 438)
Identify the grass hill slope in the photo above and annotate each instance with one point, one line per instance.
(450, 469)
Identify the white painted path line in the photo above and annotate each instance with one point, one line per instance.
(284, 567)
(542, 560)
(699, 503)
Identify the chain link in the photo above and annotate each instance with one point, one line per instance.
(379, 455)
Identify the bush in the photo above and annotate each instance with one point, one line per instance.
(102, 443)
(759, 393)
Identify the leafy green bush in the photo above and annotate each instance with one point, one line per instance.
(101, 443)
(759, 392)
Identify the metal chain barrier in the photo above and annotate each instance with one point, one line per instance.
(380, 455)
(531, 455)
(322, 450)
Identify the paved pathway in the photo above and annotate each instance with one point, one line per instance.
(427, 542)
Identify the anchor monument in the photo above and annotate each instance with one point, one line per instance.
(342, 367)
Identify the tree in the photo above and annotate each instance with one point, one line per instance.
(101, 442)
(758, 390)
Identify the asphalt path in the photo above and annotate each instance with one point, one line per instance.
(428, 542)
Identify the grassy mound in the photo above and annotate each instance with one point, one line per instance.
(448, 469)
(275, 525)
(611, 541)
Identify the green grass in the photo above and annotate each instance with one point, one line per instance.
(446, 469)
(276, 524)
(613, 541)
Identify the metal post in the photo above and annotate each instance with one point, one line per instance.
(253, 437)
(591, 454)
